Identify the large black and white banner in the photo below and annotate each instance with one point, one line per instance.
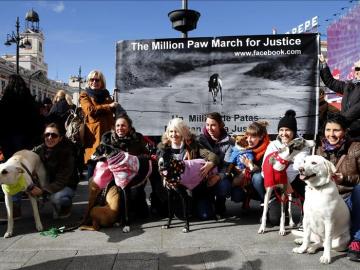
(259, 78)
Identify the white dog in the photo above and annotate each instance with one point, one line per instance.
(274, 169)
(326, 216)
(16, 175)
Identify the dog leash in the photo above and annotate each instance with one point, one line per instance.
(35, 182)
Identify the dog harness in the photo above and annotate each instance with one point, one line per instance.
(273, 177)
(19, 185)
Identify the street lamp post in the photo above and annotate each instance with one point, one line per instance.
(16, 38)
(184, 20)
(78, 79)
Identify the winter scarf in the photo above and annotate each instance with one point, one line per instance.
(259, 151)
(98, 95)
(123, 142)
(332, 147)
(19, 185)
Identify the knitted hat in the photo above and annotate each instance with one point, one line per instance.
(289, 121)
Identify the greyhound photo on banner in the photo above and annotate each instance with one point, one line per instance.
(245, 78)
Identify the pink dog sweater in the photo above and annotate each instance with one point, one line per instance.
(124, 168)
(102, 174)
(191, 177)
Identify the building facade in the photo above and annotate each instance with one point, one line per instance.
(32, 65)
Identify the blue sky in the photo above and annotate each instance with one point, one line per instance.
(85, 32)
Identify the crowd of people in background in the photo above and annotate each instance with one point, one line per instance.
(42, 128)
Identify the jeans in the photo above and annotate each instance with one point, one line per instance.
(91, 164)
(237, 194)
(62, 198)
(258, 184)
(353, 202)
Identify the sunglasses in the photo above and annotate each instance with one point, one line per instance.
(94, 80)
(51, 134)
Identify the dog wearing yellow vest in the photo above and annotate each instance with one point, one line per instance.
(19, 173)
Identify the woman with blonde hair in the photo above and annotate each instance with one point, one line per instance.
(60, 109)
(98, 108)
(183, 145)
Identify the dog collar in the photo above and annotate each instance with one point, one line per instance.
(15, 188)
(281, 160)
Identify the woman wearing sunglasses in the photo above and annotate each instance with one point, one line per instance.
(98, 108)
(57, 154)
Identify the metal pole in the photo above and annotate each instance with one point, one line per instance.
(184, 6)
(80, 79)
(17, 38)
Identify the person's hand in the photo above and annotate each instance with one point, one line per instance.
(114, 104)
(204, 170)
(247, 162)
(338, 178)
(322, 58)
(36, 191)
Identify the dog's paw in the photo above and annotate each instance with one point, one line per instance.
(185, 230)
(165, 226)
(39, 227)
(282, 232)
(299, 250)
(126, 229)
(261, 229)
(311, 250)
(8, 234)
(325, 259)
(298, 241)
(292, 224)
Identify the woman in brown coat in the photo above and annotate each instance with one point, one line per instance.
(344, 153)
(98, 108)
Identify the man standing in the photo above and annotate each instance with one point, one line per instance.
(350, 104)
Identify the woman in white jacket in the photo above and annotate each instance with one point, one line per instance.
(287, 131)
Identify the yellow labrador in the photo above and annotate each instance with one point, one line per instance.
(17, 175)
(326, 216)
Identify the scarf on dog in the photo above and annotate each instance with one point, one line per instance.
(15, 188)
(98, 95)
(124, 168)
(259, 151)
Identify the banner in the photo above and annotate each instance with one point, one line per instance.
(245, 78)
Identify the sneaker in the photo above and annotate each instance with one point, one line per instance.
(16, 213)
(354, 251)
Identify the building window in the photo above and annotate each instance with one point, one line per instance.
(40, 46)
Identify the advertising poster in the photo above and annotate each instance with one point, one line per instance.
(245, 78)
